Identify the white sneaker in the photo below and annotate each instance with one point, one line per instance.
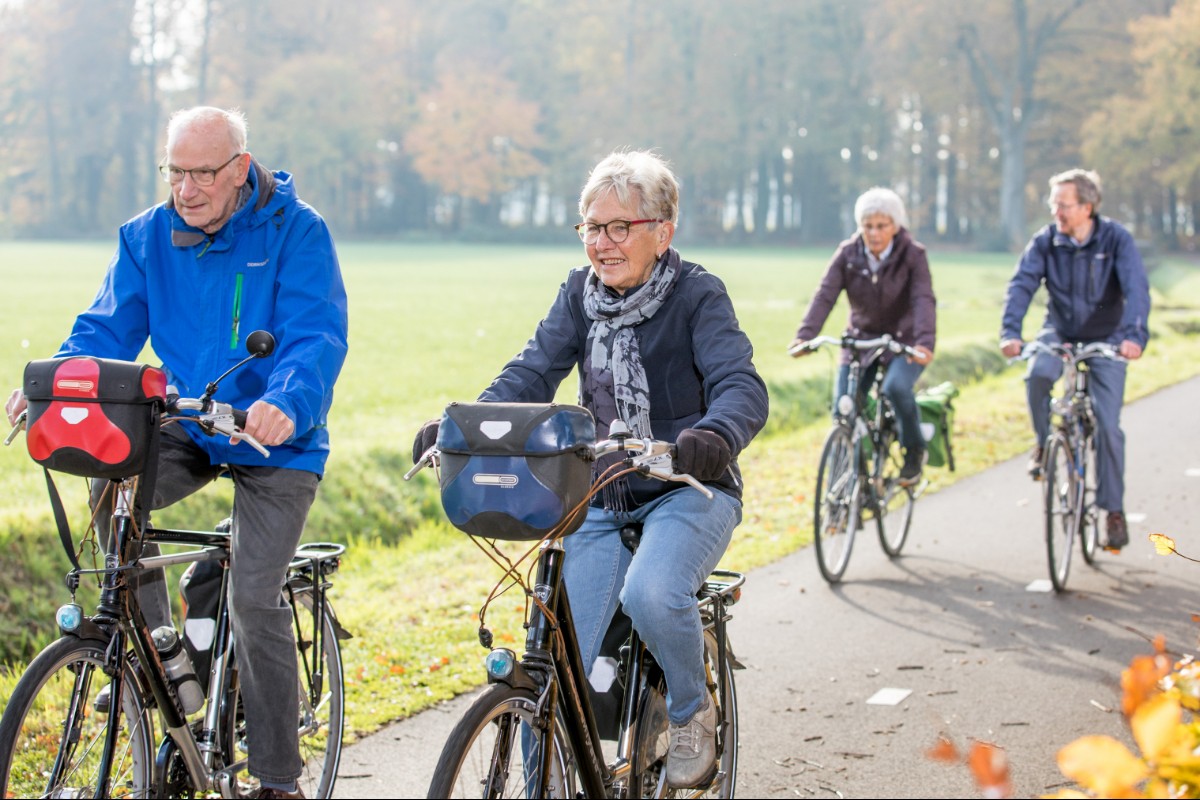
(692, 755)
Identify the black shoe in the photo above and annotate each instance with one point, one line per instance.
(1035, 463)
(914, 462)
(1117, 530)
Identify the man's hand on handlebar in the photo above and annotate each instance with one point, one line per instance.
(1011, 348)
(15, 405)
(1130, 350)
(268, 424)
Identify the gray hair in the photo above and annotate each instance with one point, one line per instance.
(632, 172)
(880, 200)
(1087, 185)
(234, 119)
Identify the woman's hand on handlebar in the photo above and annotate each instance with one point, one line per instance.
(921, 355)
(800, 347)
(705, 455)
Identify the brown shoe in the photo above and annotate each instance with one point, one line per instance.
(1035, 463)
(1117, 530)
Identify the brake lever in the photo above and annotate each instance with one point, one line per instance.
(20, 426)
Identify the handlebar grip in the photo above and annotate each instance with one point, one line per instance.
(239, 418)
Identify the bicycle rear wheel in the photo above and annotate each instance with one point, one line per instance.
(1089, 519)
(52, 737)
(495, 750)
(837, 504)
(893, 502)
(1062, 497)
(322, 698)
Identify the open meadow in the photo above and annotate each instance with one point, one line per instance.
(433, 323)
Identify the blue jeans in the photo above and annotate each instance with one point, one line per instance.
(1106, 387)
(269, 510)
(684, 535)
(898, 383)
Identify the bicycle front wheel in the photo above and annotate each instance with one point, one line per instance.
(1062, 496)
(52, 738)
(893, 502)
(837, 504)
(1089, 519)
(495, 751)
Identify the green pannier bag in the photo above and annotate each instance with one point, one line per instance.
(937, 423)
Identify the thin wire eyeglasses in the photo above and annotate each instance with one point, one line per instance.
(616, 230)
(1056, 207)
(201, 176)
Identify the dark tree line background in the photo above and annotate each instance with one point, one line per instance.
(480, 118)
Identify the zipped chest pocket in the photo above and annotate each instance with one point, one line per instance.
(249, 299)
(1099, 274)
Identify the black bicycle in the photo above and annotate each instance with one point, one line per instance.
(534, 732)
(81, 721)
(861, 462)
(1069, 458)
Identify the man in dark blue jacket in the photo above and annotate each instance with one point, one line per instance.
(1098, 292)
(231, 251)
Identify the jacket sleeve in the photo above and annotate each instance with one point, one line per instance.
(533, 375)
(1028, 276)
(311, 327)
(922, 301)
(1131, 274)
(735, 395)
(828, 290)
(116, 324)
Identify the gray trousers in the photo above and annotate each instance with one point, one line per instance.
(270, 507)
(1106, 387)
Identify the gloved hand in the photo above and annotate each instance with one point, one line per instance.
(704, 455)
(426, 438)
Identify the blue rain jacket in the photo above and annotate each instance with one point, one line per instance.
(196, 298)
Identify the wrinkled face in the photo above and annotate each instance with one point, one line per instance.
(1072, 217)
(206, 145)
(623, 265)
(878, 230)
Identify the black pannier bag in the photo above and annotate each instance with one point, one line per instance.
(514, 470)
(94, 417)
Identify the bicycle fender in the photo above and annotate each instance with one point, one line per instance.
(89, 630)
(519, 678)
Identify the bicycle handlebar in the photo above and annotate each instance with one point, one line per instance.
(1067, 351)
(886, 341)
(214, 417)
(652, 458)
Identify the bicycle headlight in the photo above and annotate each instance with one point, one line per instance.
(69, 617)
(499, 663)
(845, 405)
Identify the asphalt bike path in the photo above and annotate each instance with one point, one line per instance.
(847, 688)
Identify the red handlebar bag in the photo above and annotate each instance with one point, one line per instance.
(93, 417)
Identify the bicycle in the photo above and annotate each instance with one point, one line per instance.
(860, 462)
(80, 721)
(534, 732)
(1069, 458)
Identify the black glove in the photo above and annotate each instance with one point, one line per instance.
(426, 438)
(702, 454)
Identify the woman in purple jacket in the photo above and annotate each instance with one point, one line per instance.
(885, 275)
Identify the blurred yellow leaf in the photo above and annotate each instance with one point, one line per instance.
(1163, 545)
(944, 750)
(1102, 764)
(1140, 681)
(1155, 725)
(989, 765)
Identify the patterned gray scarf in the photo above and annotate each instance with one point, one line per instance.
(614, 382)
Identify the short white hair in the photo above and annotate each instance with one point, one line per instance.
(880, 200)
(234, 119)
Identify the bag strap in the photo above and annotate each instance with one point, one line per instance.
(60, 519)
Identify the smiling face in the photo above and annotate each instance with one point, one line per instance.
(1071, 216)
(622, 266)
(878, 230)
(207, 143)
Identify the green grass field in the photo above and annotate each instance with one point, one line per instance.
(434, 323)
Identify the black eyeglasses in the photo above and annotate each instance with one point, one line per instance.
(617, 230)
(201, 176)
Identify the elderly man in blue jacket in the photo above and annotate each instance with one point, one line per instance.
(231, 251)
(1098, 291)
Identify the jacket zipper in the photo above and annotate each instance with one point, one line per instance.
(237, 311)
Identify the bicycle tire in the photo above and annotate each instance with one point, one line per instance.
(836, 504)
(893, 503)
(1061, 493)
(321, 721)
(1089, 517)
(492, 750)
(55, 696)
